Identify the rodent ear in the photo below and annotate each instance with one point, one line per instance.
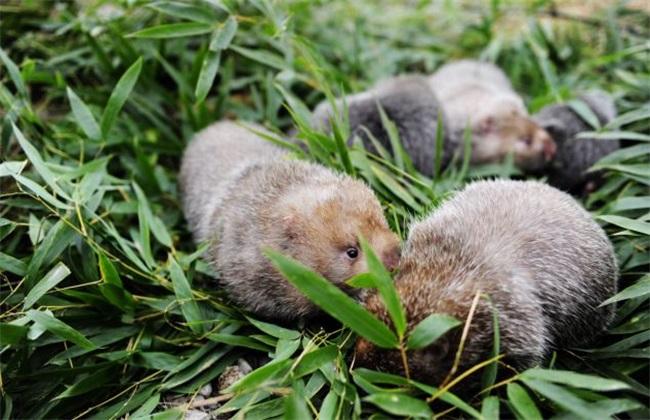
(290, 226)
(555, 129)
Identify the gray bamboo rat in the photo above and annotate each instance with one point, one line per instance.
(479, 95)
(409, 103)
(568, 170)
(242, 194)
(538, 255)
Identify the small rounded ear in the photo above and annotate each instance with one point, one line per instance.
(485, 125)
(290, 225)
(555, 129)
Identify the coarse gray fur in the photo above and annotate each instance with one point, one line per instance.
(410, 104)
(575, 156)
(242, 194)
(539, 256)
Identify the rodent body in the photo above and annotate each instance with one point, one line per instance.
(544, 263)
(478, 95)
(410, 104)
(242, 194)
(568, 170)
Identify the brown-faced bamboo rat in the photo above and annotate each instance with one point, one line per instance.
(243, 194)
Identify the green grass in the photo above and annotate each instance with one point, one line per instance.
(106, 304)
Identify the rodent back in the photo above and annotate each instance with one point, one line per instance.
(208, 163)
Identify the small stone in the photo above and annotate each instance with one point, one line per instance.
(196, 415)
(206, 391)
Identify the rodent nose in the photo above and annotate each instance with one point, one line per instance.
(549, 149)
(391, 259)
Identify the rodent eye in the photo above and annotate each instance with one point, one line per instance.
(528, 140)
(352, 252)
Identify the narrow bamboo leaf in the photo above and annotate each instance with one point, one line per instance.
(157, 227)
(222, 37)
(173, 30)
(333, 301)
(490, 408)
(59, 328)
(12, 265)
(640, 288)
(185, 11)
(119, 96)
(295, 406)
(12, 334)
(14, 73)
(37, 161)
(363, 280)
(314, 360)
(274, 330)
(208, 72)
(430, 329)
(384, 283)
(237, 340)
(489, 376)
(183, 292)
(156, 360)
(614, 135)
(88, 383)
(627, 223)
(285, 348)
(262, 56)
(585, 113)
(522, 403)
(400, 405)
(50, 280)
(40, 192)
(146, 408)
(259, 376)
(84, 117)
(328, 407)
(565, 399)
(578, 380)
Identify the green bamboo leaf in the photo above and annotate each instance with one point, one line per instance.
(574, 379)
(259, 376)
(395, 187)
(328, 407)
(314, 360)
(14, 73)
(183, 292)
(173, 30)
(400, 405)
(50, 280)
(206, 77)
(384, 283)
(585, 112)
(263, 57)
(185, 11)
(40, 192)
(430, 329)
(333, 301)
(274, 330)
(153, 222)
(565, 399)
(37, 161)
(59, 328)
(84, 117)
(237, 340)
(222, 37)
(613, 135)
(362, 280)
(119, 96)
(627, 223)
(12, 265)
(640, 288)
(522, 403)
(88, 383)
(295, 406)
(490, 408)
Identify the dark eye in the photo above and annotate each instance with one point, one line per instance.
(528, 141)
(352, 252)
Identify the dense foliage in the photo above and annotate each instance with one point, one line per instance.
(107, 307)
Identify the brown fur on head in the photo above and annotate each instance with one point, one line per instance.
(495, 136)
(323, 228)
